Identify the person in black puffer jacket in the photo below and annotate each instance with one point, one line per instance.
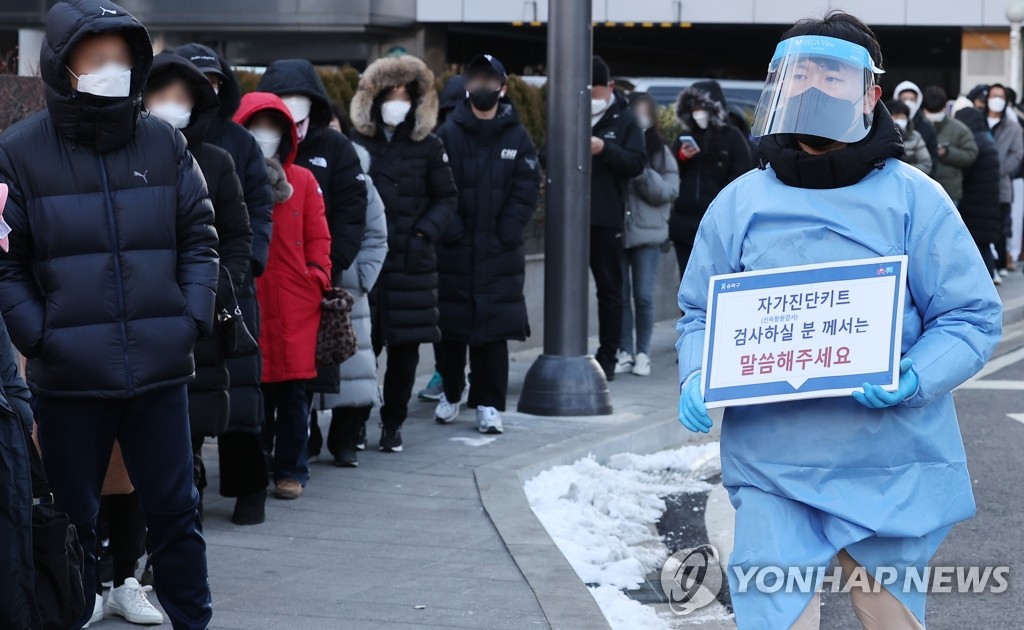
(110, 280)
(173, 84)
(482, 259)
(334, 163)
(393, 113)
(724, 155)
(243, 472)
(979, 205)
(180, 95)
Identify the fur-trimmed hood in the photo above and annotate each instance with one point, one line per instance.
(385, 74)
(695, 98)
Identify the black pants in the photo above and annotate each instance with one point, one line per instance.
(606, 264)
(986, 255)
(398, 381)
(489, 364)
(77, 436)
(683, 251)
(1004, 211)
(122, 519)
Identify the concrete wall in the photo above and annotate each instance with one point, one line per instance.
(665, 290)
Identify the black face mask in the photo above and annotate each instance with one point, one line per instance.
(484, 100)
(818, 116)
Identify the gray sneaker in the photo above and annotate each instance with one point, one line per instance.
(488, 420)
(434, 389)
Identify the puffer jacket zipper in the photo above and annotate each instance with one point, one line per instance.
(118, 279)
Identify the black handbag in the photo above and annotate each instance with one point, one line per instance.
(235, 335)
(56, 553)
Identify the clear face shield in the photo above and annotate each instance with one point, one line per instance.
(817, 86)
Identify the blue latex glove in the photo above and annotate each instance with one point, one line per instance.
(874, 397)
(692, 413)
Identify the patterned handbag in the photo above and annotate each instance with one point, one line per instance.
(336, 338)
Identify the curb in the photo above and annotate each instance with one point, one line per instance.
(563, 597)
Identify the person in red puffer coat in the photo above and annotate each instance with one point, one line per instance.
(289, 291)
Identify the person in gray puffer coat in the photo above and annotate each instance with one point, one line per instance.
(649, 201)
(359, 392)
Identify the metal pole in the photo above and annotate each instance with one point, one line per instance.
(1015, 56)
(565, 381)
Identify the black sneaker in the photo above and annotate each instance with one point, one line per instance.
(390, 440)
(348, 457)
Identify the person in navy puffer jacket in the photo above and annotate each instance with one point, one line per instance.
(109, 282)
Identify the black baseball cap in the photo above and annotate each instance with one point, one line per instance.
(205, 59)
(486, 64)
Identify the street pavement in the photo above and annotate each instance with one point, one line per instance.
(402, 541)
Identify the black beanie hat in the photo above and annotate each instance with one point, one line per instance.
(601, 75)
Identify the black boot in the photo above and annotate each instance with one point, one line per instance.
(250, 509)
(607, 363)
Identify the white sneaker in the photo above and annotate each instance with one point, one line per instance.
(130, 601)
(996, 278)
(97, 612)
(1004, 272)
(488, 420)
(446, 412)
(642, 366)
(623, 362)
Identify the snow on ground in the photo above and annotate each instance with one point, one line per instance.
(602, 516)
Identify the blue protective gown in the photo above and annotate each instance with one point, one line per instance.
(809, 478)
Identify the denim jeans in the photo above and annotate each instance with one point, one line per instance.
(287, 430)
(639, 271)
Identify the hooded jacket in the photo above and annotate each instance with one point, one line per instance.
(411, 173)
(328, 154)
(246, 407)
(921, 124)
(621, 160)
(299, 266)
(358, 385)
(482, 259)
(979, 205)
(724, 155)
(112, 273)
(809, 477)
(208, 394)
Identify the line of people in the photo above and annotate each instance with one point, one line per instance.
(191, 221)
(973, 147)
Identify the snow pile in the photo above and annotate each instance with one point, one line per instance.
(601, 518)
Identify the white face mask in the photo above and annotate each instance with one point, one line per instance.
(643, 122)
(701, 118)
(112, 80)
(936, 117)
(901, 123)
(996, 104)
(174, 114)
(597, 106)
(394, 112)
(912, 104)
(299, 106)
(269, 141)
